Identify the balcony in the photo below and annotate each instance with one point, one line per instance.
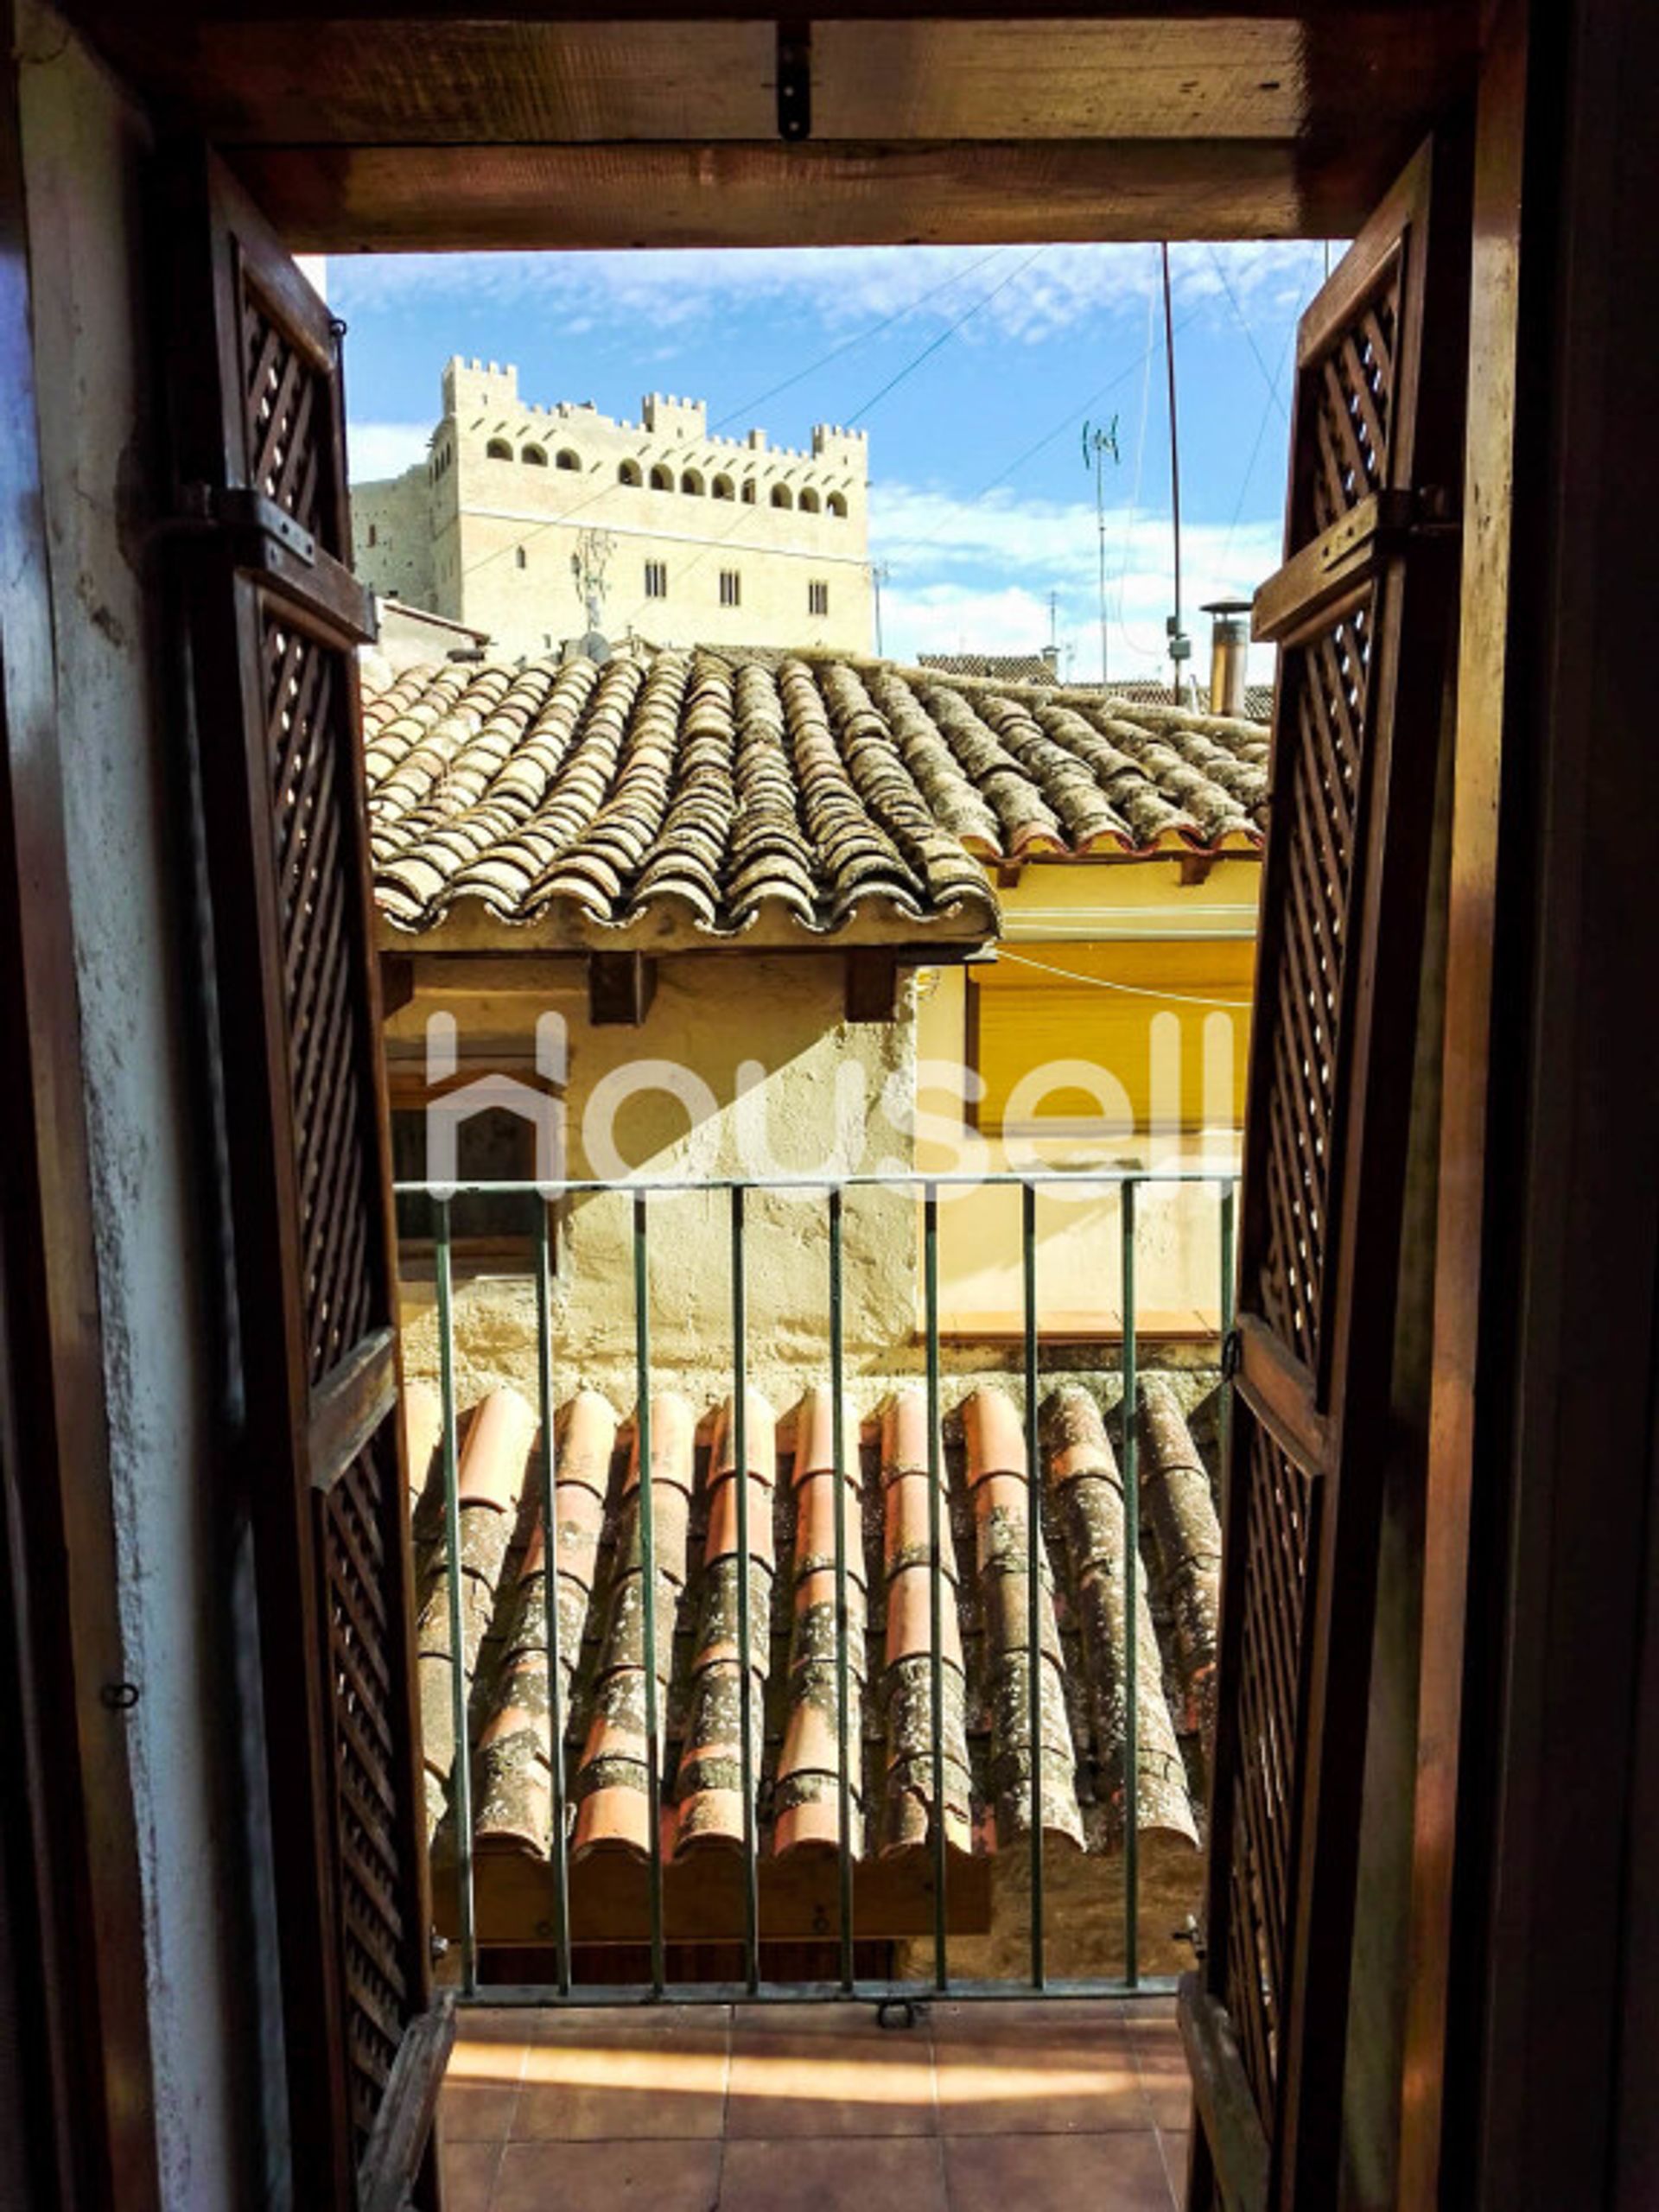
(920, 1782)
(779, 2107)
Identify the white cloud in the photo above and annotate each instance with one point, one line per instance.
(975, 575)
(1013, 291)
(377, 449)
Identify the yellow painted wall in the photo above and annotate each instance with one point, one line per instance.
(1136, 924)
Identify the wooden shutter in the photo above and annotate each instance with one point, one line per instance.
(1365, 612)
(272, 616)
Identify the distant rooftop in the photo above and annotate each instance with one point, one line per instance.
(769, 796)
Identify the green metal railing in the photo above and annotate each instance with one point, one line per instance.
(538, 1200)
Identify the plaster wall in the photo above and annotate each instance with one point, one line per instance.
(498, 531)
(84, 151)
(782, 1086)
(1178, 1226)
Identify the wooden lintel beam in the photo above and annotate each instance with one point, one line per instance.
(872, 985)
(397, 982)
(617, 195)
(621, 987)
(493, 975)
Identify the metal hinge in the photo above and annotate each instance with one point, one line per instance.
(1190, 1933)
(217, 506)
(1232, 1354)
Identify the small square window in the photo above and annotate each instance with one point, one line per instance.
(730, 587)
(489, 1230)
(818, 599)
(656, 580)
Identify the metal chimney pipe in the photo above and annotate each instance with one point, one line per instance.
(1229, 646)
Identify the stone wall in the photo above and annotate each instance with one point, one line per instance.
(499, 508)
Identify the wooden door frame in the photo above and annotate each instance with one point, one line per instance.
(1536, 1942)
(62, 1603)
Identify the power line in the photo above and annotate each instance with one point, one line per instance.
(1067, 422)
(1180, 646)
(556, 522)
(859, 338)
(944, 337)
(1271, 381)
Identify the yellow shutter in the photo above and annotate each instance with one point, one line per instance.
(1154, 1018)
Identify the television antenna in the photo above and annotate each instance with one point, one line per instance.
(1099, 440)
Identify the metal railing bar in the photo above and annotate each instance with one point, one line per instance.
(1228, 1304)
(633, 1996)
(929, 1186)
(461, 1764)
(1033, 1572)
(838, 1493)
(897, 1179)
(648, 1567)
(560, 1857)
(745, 1680)
(1131, 1615)
(936, 1579)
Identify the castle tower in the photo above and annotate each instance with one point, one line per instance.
(713, 539)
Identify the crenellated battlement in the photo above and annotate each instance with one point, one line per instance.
(482, 404)
(707, 536)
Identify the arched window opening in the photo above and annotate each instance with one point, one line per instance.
(566, 458)
(809, 501)
(782, 496)
(837, 506)
(498, 449)
(662, 480)
(534, 456)
(691, 483)
(628, 472)
(723, 489)
(749, 492)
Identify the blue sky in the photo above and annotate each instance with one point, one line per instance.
(973, 369)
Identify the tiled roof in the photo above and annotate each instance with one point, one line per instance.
(1006, 668)
(728, 794)
(986, 1709)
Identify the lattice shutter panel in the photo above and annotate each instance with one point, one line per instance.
(1363, 612)
(275, 617)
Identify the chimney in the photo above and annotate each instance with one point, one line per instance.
(1230, 645)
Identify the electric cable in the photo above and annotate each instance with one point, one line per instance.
(944, 338)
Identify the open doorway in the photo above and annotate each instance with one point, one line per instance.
(618, 993)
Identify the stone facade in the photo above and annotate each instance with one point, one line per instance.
(711, 540)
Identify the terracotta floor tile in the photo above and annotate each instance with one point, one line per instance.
(800, 2174)
(1120, 2172)
(604, 2024)
(598, 2176)
(1161, 2060)
(831, 2017)
(481, 2084)
(999, 2019)
(1052, 2074)
(653, 2082)
(469, 2171)
(860, 2083)
(1173, 2143)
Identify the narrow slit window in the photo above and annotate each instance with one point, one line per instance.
(656, 580)
(730, 587)
(818, 598)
